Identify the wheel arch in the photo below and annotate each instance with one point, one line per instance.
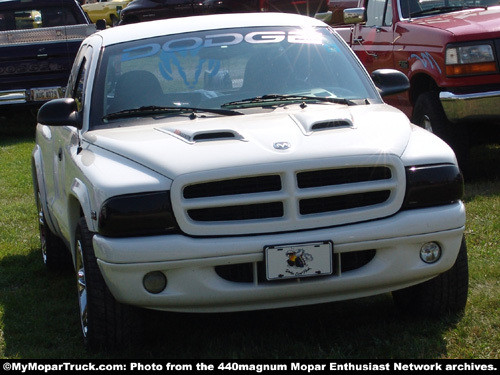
(420, 83)
(39, 186)
(78, 206)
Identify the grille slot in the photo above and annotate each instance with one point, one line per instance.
(246, 185)
(342, 202)
(241, 212)
(331, 177)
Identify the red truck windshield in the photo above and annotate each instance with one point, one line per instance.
(416, 8)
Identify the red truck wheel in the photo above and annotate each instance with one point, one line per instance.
(429, 114)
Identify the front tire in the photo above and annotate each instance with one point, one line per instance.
(442, 295)
(105, 322)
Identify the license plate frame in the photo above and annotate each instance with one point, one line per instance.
(294, 261)
(45, 94)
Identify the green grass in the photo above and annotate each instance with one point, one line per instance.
(38, 310)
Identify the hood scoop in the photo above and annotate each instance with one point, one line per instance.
(331, 124)
(311, 123)
(192, 137)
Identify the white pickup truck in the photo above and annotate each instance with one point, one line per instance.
(211, 165)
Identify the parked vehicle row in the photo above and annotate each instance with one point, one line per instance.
(147, 10)
(108, 10)
(39, 40)
(151, 191)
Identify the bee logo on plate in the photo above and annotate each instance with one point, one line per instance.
(297, 261)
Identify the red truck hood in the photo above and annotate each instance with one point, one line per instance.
(478, 21)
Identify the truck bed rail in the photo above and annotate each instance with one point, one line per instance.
(46, 34)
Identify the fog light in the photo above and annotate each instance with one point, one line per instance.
(430, 252)
(155, 282)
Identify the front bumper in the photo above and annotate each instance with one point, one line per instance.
(195, 286)
(34, 95)
(472, 106)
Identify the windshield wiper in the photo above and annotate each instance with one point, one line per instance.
(148, 110)
(276, 98)
(442, 9)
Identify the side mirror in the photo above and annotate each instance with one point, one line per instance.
(100, 24)
(390, 81)
(60, 112)
(354, 15)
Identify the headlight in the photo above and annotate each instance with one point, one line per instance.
(433, 185)
(470, 60)
(137, 215)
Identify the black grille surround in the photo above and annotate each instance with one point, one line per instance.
(289, 196)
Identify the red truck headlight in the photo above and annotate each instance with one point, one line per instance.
(470, 60)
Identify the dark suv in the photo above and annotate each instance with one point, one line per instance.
(147, 10)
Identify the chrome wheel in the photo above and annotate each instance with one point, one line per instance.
(41, 229)
(82, 288)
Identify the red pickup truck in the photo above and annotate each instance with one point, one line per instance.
(450, 51)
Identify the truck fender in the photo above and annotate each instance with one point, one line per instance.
(39, 185)
(424, 62)
(78, 205)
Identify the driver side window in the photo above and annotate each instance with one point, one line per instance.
(379, 13)
(77, 80)
(79, 85)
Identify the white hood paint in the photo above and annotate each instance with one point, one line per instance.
(166, 146)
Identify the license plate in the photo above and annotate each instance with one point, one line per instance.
(301, 260)
(44, 94)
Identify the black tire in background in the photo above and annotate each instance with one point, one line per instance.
(428, 113)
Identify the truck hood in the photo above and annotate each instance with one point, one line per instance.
(480, 21)
(181, 145)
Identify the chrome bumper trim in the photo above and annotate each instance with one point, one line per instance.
(476, 106)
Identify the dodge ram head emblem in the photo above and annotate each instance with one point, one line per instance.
(282, 145)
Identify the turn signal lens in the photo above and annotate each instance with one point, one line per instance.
(471, 69)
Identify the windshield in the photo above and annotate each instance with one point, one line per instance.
(415, 8)
(230, 70)
(35, 16)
